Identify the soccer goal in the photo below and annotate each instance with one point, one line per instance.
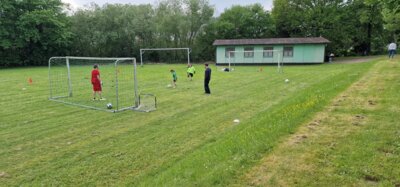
(255, 57)
(70, 83)
(187, 50)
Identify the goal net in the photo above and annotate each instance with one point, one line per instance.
(70, 83)
(147, 102)
(165, 55)
(263, 57)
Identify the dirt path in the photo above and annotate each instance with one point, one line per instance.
(349, 60)
(297, 160)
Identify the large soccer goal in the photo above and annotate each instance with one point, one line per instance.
(187, 50)
(70, 83)
(262, 57)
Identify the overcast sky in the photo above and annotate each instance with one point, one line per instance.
(220, 5)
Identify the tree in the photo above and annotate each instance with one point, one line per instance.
(287, 18)
(391, 17)
(112, 30)
(235, 23)
(204, 48)
(352, 26)
(245, 22)
(198, 14)
(369, 35)
(32, 31)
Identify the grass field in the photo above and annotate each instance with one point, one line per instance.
(190, 140)
(354, 141)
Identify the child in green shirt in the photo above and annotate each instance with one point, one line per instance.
(190, 71)
(174, 78)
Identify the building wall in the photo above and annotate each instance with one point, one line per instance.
(302, 53)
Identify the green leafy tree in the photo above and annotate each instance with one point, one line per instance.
(314, 18)
(198, 14)
(352, 26)
(32, 31)
(368, 24)
(204, 48)
(245, 22)
(391, 17)
(112, 30)
(178, 24)
(235, 23)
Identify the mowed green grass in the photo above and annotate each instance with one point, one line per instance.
(190, 140)
(354, 141)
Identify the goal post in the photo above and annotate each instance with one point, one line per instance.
(142, 51)
(263, 57)
(70, 82)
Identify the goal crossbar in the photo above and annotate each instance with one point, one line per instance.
(163, 49)
(142, 51)
(95, 58)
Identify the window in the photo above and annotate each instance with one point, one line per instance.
(287, 51)
(268, 53)
(248, 52)
(228, 52)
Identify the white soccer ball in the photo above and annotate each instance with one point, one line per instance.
(236, 121)
(169, 86)
(286, 80)
(109, 105)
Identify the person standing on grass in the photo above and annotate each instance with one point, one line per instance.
(207, 78)
(190, 71)
(392, 49)
(96, 82)
(174, 78)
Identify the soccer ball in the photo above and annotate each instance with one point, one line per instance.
(286, 80)
(169, 86)
(236, 121)
(109, 105)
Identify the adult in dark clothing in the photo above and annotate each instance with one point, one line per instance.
(207, 78)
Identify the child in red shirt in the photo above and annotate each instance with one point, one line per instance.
(96, 82)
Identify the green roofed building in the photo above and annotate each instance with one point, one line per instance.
(271, 50)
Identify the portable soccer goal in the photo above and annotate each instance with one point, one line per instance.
(255, 57)
(187, 50)
(70, 83)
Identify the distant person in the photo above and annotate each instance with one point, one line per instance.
(392, 49)
(190, 71)
(96, 82)
(174, 78)
(331, 56)
(207, 78)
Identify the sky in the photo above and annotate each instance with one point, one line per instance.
(220, 5)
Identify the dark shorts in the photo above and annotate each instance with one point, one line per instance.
(190, 74)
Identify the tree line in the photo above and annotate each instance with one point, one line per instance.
(33, 31)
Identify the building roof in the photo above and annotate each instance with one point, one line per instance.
(270, 41)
